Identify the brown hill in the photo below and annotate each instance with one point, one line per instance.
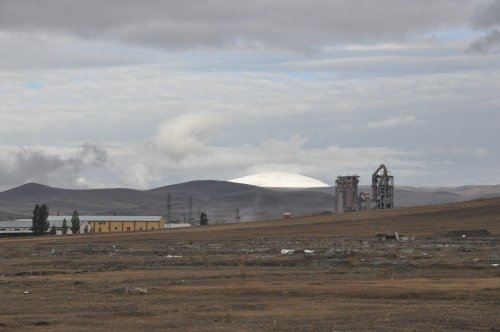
(219, 199)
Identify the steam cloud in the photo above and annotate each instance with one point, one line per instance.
(33, 165)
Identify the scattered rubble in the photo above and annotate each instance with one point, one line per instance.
(173, 256)
(396, 237)
(135, 290)
(468, 233)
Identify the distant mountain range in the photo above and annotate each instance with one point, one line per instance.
(219, 199)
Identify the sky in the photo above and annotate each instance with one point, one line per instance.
(142, 94)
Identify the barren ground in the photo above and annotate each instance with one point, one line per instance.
(234, 278)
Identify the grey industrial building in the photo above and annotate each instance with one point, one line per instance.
(382, 195)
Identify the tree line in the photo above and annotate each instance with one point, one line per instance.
(41, 225)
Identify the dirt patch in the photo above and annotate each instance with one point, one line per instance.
(37, 273)
(234, 277)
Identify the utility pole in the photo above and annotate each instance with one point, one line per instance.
(190, 208)
(237, 215)
(169, 208)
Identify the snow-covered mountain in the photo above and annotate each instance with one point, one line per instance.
(280, 180)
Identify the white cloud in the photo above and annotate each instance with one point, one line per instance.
(392, 122)
(186, 134)
(137, 175)
(479, 152)
(222, 123)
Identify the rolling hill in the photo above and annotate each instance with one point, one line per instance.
(219, 199)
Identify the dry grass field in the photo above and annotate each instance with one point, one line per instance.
(234, 277)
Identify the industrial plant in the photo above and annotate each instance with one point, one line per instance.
(347, 198)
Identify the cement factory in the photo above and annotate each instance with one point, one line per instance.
(347, 198)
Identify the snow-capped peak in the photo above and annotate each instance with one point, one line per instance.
(280, 180)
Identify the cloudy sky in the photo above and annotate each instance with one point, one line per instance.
(124, 93)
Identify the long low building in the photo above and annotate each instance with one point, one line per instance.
(106, 224)
(15, 228)
(97, 224)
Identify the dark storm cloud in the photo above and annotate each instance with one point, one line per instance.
(32, 165)
(220, 23)
(487, 17)
(486, 44)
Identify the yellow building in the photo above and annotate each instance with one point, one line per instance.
(107, 224)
